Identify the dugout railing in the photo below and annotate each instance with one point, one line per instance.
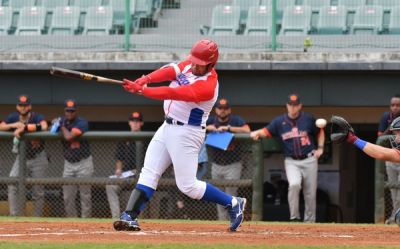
(166, 203)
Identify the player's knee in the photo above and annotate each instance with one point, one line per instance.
(191, 190)
(295, 186)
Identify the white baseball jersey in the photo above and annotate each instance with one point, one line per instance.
(195, 96)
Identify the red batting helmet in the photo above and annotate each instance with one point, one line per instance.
(204, 52)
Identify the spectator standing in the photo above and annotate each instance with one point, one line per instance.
(226, 165)
(129, 157)
(22, 121)
(303, 144)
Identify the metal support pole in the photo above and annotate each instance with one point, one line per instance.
(21, 178)
(258, 182)
(380, 183)
(127, 30)
(273, 29)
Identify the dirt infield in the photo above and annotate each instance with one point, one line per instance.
(200, 233)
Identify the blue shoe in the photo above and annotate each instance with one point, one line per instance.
(126, 223)
(397, 217)
(236, 213)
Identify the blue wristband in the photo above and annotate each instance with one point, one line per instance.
(360, 143)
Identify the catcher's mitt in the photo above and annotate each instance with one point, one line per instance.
(340, 129)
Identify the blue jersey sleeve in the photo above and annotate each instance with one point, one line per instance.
(82, 125)
(210, 120)
(383, 124)
(237, 121)
(37, 118)
(12, 118)
(314, 128)
(273, 127)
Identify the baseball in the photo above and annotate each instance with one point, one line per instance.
(320, 123)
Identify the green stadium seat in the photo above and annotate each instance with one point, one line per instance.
(143, 8)
(50, 5)
(31, 21)
(332, 20)
(65, 20)
(394, 23)
(98, 20)
(118, 7)
(5, 20)
(351, 5)
(16, 5)
(316, 4)
(387, 6)
(259, 21)
(296, 20)
(244, 6)
(367, 20)
(85, 4)
(225, 20)
(280, 6)
(315, 7)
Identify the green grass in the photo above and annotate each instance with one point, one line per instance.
(8, 245)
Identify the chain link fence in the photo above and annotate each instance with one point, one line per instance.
(173, 25)
(39, 181)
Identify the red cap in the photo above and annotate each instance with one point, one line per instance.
(204, 52)
(136, 116)
(24, 100)
(70, 105)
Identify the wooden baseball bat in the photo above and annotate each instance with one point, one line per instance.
(62, 72)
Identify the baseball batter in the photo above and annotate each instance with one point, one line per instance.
(188, 101)
(297, 130)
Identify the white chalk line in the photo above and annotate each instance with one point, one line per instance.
(63, 232)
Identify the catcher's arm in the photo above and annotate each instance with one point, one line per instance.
(341, 131)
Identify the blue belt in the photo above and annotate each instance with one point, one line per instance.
(172, 121)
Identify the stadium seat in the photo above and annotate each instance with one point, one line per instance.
(296, 20)
(65, 20)
(367, 20)
(5, 20)
(50, 5)
(315, 7)
(386, 4)
(225, 20)
(85, 4)
(118, 7)
(280, 6)
(16, 5)
(244, 6)
(31, 21)
(332, 20)
(387, 7)
(98, 20)
(143, 8)
(394, 23)
(351, 5)
(259, 21)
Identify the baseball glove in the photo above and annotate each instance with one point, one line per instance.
(340, 129)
